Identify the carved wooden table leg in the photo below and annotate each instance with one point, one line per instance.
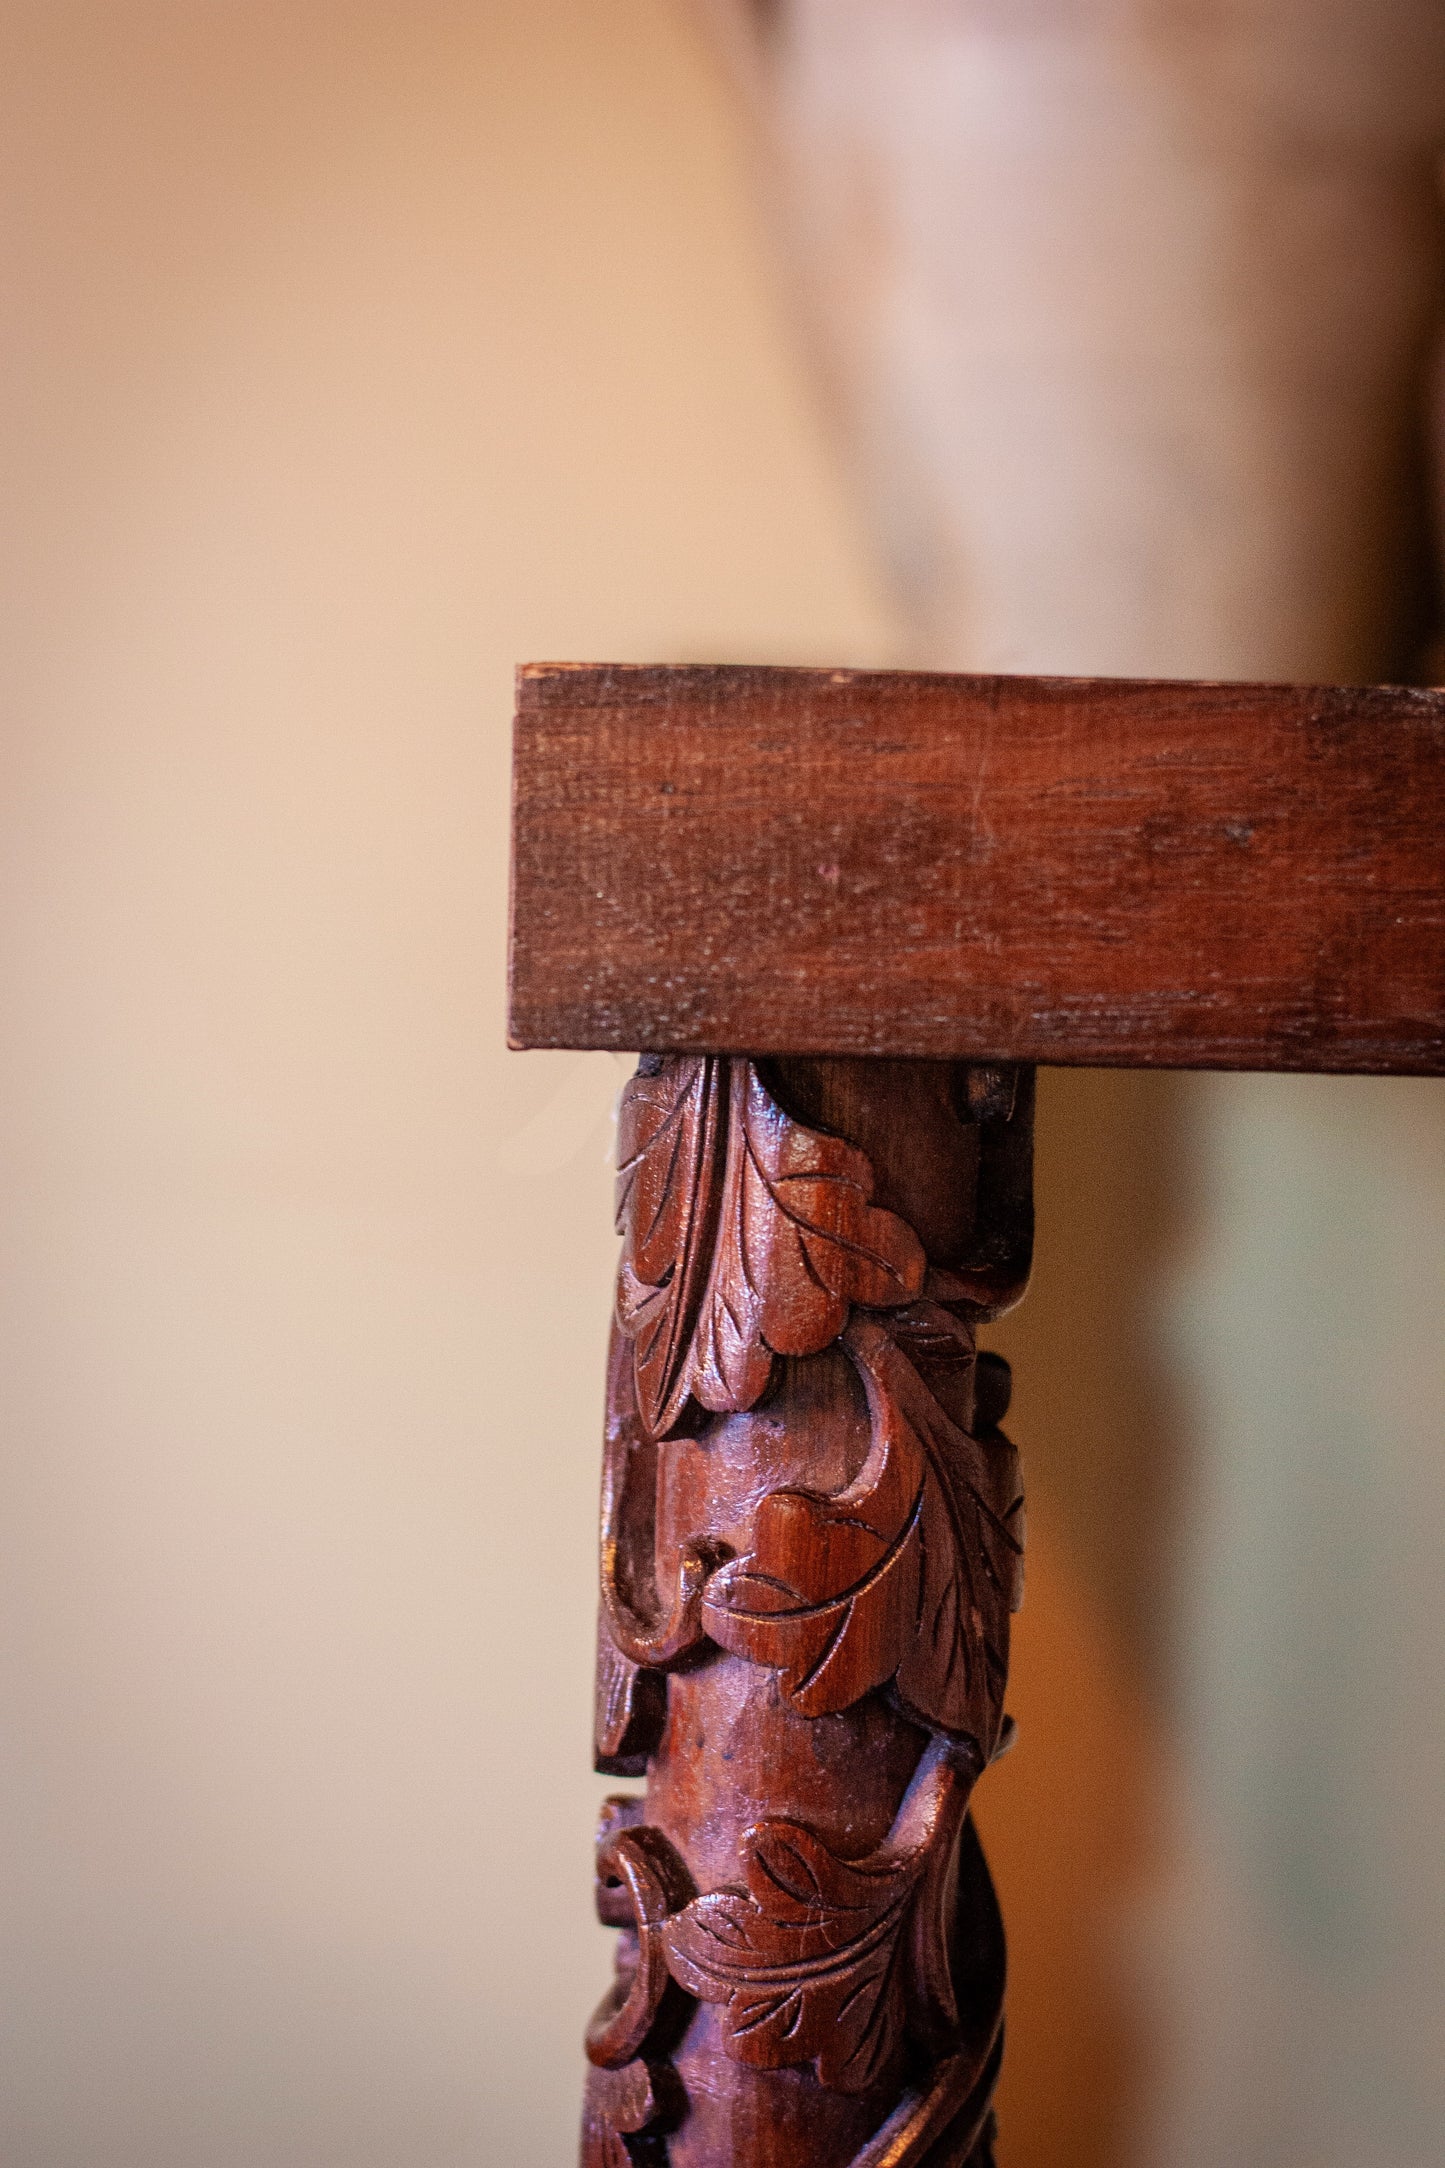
(812, 1533)
(812, 1524)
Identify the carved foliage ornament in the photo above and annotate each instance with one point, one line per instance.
(746, 1236)
(824, 1959)
(909, 1574)
(749, 1237)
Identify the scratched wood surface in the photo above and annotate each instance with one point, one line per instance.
(1132, 874)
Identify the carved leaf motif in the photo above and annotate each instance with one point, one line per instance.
(747, 1236)
(909, 1574)
(810, 1958)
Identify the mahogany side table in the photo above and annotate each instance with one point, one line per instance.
(848, 913)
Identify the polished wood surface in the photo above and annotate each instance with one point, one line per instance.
(812, 1540)
(997, 869)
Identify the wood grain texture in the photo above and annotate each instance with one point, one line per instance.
(1130, 874)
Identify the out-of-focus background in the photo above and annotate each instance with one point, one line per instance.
(355, 351)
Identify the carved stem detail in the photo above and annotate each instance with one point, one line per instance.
(812, 1539)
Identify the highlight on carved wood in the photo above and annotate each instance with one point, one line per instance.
(812, 1541)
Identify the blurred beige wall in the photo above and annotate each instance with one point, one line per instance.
(353, 352)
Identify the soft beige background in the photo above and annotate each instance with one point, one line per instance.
(354, 352)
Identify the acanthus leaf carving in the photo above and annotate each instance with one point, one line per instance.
(748, 1236)
(909, 1574)
(813, 1959)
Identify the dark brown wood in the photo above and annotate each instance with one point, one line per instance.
(998, 869)
(812, 1535)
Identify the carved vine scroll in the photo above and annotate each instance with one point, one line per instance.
(812, 1541)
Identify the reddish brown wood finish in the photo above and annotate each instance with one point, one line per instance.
(811, 1546)
(998, 869)
(812, 1524)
